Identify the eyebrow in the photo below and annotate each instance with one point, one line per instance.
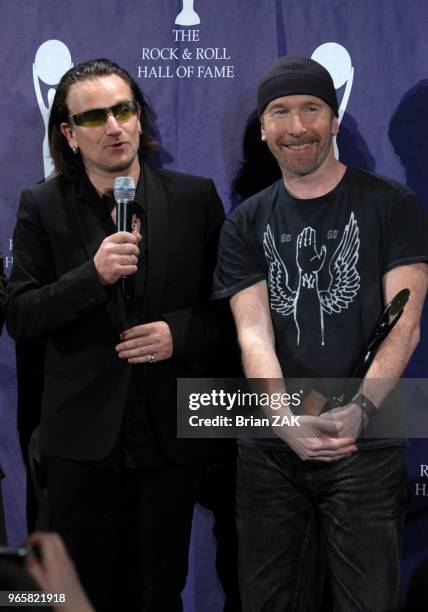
(277, 105)
(284, 105)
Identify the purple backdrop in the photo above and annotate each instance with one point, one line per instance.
(201, 80)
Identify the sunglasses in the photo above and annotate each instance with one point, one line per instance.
(98, 116)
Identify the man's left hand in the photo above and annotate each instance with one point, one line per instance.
(146, 343)
(351, 420)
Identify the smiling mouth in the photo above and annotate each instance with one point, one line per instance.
(299, 147)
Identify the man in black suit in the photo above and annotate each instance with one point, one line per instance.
(121, 486)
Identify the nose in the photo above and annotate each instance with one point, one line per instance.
(295, 125)
(112, 125)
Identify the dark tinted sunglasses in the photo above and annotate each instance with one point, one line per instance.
(98, 116)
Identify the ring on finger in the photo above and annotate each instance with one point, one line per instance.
(152, 358)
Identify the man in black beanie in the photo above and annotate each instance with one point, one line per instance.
(309, 264)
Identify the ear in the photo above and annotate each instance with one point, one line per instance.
(68, 132)
(335, 126)
(262, 130)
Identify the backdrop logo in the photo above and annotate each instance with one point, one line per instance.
(8, 259)
(193, 61)
(187, 16)
(337, 61)
(51, 61)
(421, 488)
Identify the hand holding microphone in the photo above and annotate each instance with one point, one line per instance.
(117, 256)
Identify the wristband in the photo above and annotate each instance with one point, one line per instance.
(365, 404)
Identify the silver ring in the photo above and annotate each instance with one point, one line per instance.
(152, 358)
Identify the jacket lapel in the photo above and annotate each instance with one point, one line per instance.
(91, 226)
(157, 233)
(93, 232)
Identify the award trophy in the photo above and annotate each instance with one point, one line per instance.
(187, 16)
(316, 403)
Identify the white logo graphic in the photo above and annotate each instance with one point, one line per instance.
(187, 16)
(344, 277)
(52, 60)
(337, 61)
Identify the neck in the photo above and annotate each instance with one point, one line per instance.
(103, 182)
(316, 184)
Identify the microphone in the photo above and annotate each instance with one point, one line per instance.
(124, 193)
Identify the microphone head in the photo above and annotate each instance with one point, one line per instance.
(124, 189)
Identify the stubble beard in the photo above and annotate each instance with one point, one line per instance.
(294, 169)
(119, 166)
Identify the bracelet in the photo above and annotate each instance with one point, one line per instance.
(366, 405)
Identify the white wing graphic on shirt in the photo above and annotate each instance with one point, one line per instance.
(282, 298)
(345, 280)
(344, 276)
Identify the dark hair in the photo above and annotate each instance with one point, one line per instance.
(65, 161)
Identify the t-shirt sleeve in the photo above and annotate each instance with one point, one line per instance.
(238, 265)
(407, 237)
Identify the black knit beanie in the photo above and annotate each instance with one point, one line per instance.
(296, 74)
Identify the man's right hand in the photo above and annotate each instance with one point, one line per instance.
(316, 439)
(117, 257)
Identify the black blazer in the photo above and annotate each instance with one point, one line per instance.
(55, 295)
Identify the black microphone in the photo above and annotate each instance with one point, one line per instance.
(124, 193)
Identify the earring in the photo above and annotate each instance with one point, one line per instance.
(264, 138)
(74, 149)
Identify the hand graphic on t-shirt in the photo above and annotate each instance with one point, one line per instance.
(309, 260)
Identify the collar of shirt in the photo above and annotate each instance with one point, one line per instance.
(89, 194)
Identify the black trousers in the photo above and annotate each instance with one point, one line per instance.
(128, 532)
(217, 493)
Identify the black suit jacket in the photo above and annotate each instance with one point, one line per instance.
(55, 295)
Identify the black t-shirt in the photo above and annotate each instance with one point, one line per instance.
(323, 260)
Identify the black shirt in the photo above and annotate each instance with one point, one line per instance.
(135, 447)
(323, 260)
